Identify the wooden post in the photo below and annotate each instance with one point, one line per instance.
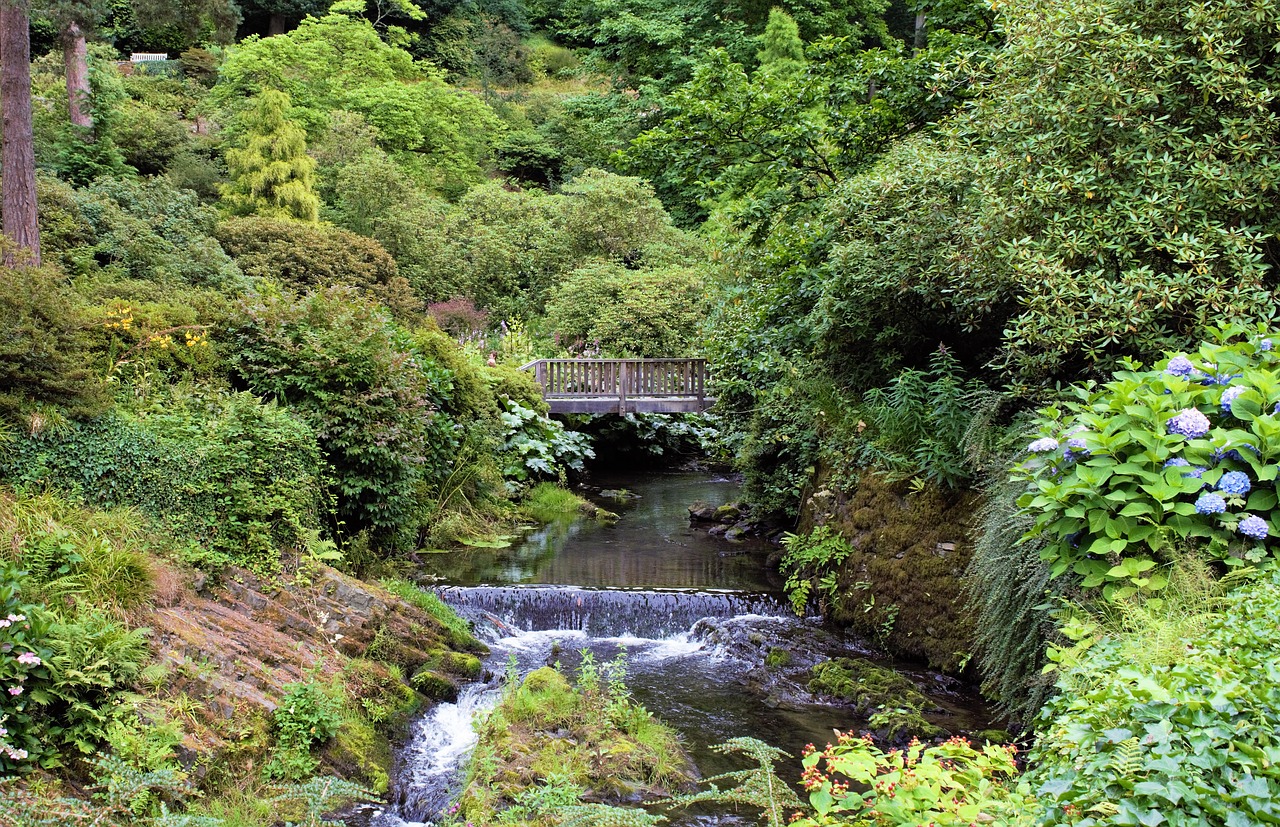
(701, 368)
(540, 373)
(624, 376)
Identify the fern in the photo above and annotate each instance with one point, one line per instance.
(317, 796)
(119, 785)
(1129, 759)
(1008, 589)
(602, 815)
(758, 786)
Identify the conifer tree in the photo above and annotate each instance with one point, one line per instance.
(783, 48)
(271, 172)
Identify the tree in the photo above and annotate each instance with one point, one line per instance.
(18, 180)
(1129, 162)
(272, 174)
(782, 43)
(76, 20)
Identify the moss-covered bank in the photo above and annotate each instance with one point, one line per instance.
(902, 584)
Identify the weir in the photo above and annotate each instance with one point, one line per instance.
(606, 613)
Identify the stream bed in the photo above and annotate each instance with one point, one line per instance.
(694, 614)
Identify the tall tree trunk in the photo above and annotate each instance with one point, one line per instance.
(75, 59)
(276, 24)
(18, 180)
(917, 43)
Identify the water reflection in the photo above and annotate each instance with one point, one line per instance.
(653, 546)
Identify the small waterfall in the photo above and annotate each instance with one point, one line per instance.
(438, 745)
(654, 614)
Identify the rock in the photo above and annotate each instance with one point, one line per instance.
(198, 582)
(702, 512)
(728, 513)
(618, 495)
(717, 530)
(992, 736)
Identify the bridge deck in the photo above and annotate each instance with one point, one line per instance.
(623, 385)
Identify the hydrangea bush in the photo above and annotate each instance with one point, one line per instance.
(23, 676)
(1184, 452)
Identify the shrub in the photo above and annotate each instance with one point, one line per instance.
(241, 476)
(1179, 734)
(459, 317)
(510, 384)
(307, 715)
(149, 138)
(1133, 469)
(303, 255)
(374, 403)
(644, 313)
(142, 229)
(948, 785)
(44, 354)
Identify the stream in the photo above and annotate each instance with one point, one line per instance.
(694, 614)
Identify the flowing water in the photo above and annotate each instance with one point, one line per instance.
(687, 609)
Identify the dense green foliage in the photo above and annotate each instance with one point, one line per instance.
(341, 362)
(1172, 714)
(289, 283)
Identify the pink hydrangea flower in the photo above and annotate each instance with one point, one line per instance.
(29, 659)
(15, 691)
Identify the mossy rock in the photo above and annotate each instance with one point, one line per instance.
(865, 685)
(992, 736)
(435, 686)
(777, 658)
(900, 724)
(462, 664)
(728, 513)
(545, 680)
(359, 751)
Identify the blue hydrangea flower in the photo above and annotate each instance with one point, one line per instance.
(1043, 445)
(1230, 394)
(1253, 526)
(1210, 379)
(1176, 462)
(1190, 423)
(1264, 345)
(1197, 471)
(1210, 504)
(1179, 366)
(1076, 450)
(1234, 482)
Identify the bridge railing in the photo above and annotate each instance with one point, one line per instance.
(621, 379)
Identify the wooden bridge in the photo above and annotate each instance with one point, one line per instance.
(623, 385)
